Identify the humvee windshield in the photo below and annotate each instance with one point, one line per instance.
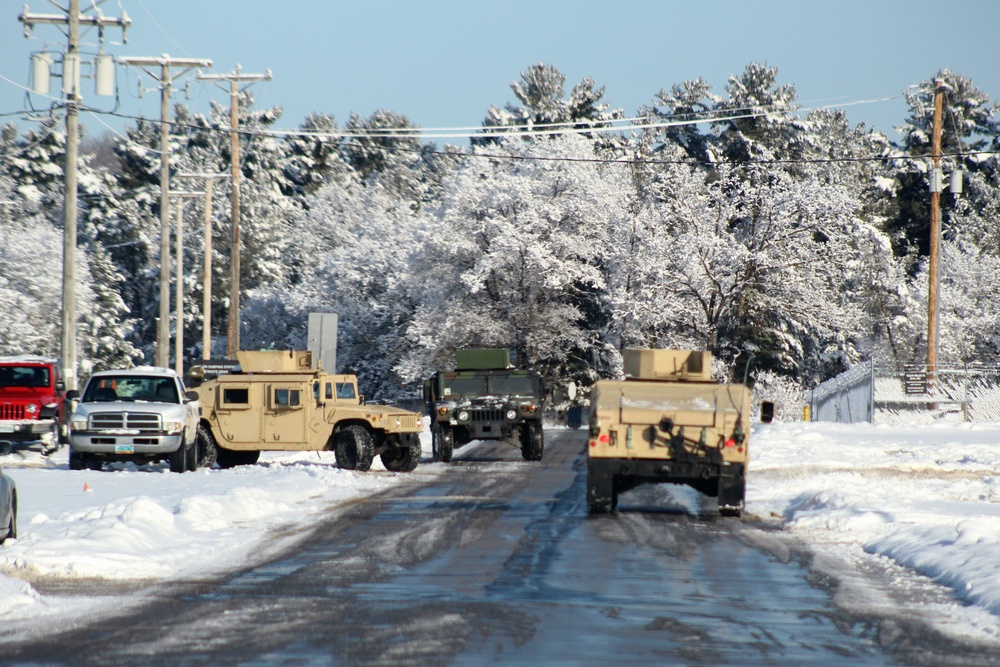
(464, 386)
(489, 385)
(511, 385)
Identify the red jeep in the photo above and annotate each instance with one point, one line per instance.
(32, 393)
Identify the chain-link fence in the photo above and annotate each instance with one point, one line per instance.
(911, 394)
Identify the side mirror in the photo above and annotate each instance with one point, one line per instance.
(72, 395)
(60, 385)
(766, 412)
(191, 395)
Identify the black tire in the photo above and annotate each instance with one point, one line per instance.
(401, 459)
(76, 460)
(354, 448)
(207, 450)
(178, 457)
(732, 495)
(532, 441)
(11, 533)
(602, 494)
(191, 456)
(229, 458)
(443, 443)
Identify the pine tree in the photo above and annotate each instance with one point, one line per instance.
(543, 103)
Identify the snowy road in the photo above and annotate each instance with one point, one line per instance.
(495, 560)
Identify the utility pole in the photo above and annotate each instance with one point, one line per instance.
(206, 303)
(179, 293)
(165, 80)
(932, 262)
(71, 87)
(234, 78)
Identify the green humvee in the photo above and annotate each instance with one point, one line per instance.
(485, 398)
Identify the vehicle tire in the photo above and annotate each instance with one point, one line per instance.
(532, 441)
(11, 533)
(178, 457)
(76, 460)
(191, 456)
(207, 450)
(230, 458)
(731, 495)
(602, 495)
(354, 448)
(401, 459)
(443, 443)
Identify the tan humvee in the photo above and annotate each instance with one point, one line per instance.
(277, 401)
(668, 422)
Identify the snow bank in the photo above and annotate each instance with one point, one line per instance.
(927, 497)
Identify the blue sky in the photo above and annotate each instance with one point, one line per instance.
(442, 63)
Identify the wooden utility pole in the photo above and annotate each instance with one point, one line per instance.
(71, 87)
(206, 301)
(234, 78)
(933, 259)
(165, 80)
(179, 292)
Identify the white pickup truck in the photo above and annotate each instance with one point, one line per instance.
(140, 414)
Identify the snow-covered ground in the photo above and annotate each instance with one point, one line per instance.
(904, 498)
(914, 498)
(150, 524)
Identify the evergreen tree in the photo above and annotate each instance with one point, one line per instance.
(543, 103)
(968, 125)
(759, 123)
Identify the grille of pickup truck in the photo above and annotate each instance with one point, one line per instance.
(485, 415)
(9, 411)
(135, 421)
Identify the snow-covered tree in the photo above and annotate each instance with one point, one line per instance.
(741, 261)
(514, 253)
(543, 103)
(756, 121)
(356, 240)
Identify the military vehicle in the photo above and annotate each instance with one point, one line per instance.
(668, 422)
(485, 398)
(278, 401)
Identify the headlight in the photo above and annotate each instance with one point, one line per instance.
(173, 427)
(463, 415)
(78, 425)
(512, 415)
(31, 408)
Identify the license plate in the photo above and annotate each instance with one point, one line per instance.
(6, 428)
(124, 449)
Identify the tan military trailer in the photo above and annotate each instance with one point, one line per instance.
(278, 401)
(668, 422)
